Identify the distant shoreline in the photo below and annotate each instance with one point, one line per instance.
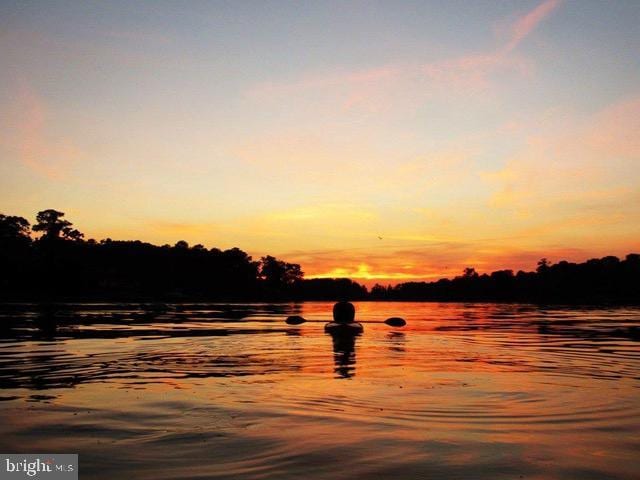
(61, 266)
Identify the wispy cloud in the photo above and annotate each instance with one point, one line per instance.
(368, 89)
(527, 23)
(473, 70)
(576, 180)
(27, 135)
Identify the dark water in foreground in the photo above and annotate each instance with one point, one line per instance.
(465, 391)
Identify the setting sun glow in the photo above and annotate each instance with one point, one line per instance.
(384, 142)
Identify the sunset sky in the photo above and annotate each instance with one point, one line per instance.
(383, 141)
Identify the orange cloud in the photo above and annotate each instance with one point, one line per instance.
(616, 130)
(578, 159)
(577, 183)
(350, 169)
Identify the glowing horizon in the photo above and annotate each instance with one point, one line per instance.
(381, 142)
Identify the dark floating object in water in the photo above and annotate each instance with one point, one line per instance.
(392, 322)
(295, 320)
(395, 322)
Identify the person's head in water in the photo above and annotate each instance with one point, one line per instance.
(344, 312)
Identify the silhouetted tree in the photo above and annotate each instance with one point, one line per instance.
(277, 272)
(543, 265)
(279, 276)
(15, 253)
(379, 292)
(14, 229)
(72, 234)
(52, 225)
(470, 272)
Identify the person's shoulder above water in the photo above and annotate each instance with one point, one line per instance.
(338, 327)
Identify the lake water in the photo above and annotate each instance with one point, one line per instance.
(464, 391)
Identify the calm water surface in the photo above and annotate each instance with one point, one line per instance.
(464, 391)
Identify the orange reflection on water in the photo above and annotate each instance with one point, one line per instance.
(464, 390)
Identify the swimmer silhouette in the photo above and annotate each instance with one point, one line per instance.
(344, 314)
(344, 330)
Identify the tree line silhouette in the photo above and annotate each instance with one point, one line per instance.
(604, 280)
(60, 264)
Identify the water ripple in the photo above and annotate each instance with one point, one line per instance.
(500, 390)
